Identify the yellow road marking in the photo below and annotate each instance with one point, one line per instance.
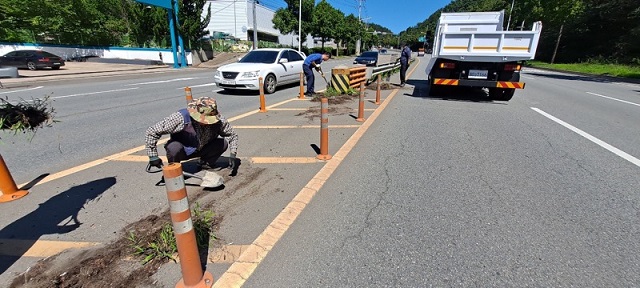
(257, 110)
(257, 160)
(94, 163)
(290, 126)
(247, 263)
(38, 248)
(289, 109)
(283, 160)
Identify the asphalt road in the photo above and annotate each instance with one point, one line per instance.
(441, 191)
(101, 116)
(471, 193)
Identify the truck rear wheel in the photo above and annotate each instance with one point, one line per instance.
(499, 94)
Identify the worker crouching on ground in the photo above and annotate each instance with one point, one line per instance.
(313, 61)
(194, 133)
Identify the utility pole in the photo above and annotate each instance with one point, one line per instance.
(255, 26)
(510, 12)
(359, 32)
(300, 26)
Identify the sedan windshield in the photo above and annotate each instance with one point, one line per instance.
(369, 54)
(260, 57)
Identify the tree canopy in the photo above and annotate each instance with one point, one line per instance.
(605, 31)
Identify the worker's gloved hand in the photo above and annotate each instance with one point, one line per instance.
(155, 161)
(232, 161)
(318, 68)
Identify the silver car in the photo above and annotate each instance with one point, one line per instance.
(275, 66)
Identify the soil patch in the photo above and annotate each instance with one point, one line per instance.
(340, 99)
(103, 266)
(383, 86)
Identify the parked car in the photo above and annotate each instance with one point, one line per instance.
(275, 66)
(32, 59)
(369, 58)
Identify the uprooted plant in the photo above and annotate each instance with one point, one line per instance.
(26, 116)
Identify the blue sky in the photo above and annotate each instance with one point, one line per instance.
(396, 15)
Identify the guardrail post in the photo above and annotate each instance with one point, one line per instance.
(8, 187)
(192, 274)
(361, 104)
(263, 107)
(301, 85)
(378, 90)
(324, 129)
(187, 93)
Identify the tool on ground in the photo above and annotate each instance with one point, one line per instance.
(209, 180)
(325, 79)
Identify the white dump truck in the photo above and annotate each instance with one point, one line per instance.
(472, 49)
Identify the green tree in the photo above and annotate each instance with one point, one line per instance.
(192, 24)
(286, 19)
(325, 21)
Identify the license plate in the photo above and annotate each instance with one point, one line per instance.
(228, 82)
(478, 74)
(56, 63)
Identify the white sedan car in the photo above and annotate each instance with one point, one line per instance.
(275, 66)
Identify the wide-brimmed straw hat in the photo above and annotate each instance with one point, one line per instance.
(204, 110)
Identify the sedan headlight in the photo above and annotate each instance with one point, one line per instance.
(252, 74)
(218, 74)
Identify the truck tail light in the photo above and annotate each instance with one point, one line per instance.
(447, 65)
(512, 67)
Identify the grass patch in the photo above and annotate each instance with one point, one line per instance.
(616, 70)
(164, 246)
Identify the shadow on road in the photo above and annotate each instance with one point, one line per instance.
(57, 215)
(422, 88)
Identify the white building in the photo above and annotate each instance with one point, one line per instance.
(235, 17)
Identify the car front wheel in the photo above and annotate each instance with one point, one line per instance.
(270, 84)
(31, 66)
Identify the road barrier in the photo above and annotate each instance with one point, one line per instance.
(357, 75)
(192, 273)
(378, 90)
(340, 78)
(382, 69)
(8, 186)
(301, 85)
(361, 104)
(187, 93)
(324, 129)
(263, 104)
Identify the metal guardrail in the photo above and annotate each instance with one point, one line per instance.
(374, 71)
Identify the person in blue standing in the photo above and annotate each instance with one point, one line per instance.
(313, 61)
(405, 57)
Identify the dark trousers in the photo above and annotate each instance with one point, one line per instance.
(310, 78)
(403, 71)
(209, 153)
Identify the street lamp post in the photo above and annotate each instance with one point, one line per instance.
(299, 25)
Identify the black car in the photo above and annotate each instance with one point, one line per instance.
(31, 59)
(369, 58)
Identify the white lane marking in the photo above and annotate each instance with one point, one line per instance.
(528, 77)
(201, 85)
(34, 88)
(163, 81)
(603, 144)
(93, 93)
(616, 99)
